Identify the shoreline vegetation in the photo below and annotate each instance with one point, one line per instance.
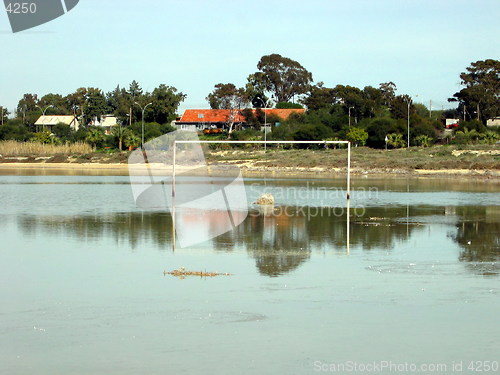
(88, 130)
(449, 160)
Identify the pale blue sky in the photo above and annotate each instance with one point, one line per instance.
(422, 46)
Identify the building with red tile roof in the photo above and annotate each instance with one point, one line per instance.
(199, 119)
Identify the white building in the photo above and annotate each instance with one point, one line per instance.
(48, 122)
(493, 122)
(107, 122)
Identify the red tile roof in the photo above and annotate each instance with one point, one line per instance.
(222, 115)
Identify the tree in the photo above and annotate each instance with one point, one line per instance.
(119, 132)
(165, 101)
(312, 132)
(399, 107)
(482, 90)
(350, 97)
(282, 76)
(467, 136)
(63, 132)
(489, 137)
(58, 103)
(14, 129)
(423, 140)
(44, 137)
(357, 136)
(131, 140)
(373, 100)
(227, 96)
(121, 102)
(76, 100)
(136, 95)
(396, 140)
(472, 125)
(288, 105)
(95, 136)
(319, 97)
(135, 90)
(96, 105)
(378, 129)
(388, 90)
(250, 118)
(4, 115)
(27, 109)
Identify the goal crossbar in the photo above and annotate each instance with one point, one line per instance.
(266, 142)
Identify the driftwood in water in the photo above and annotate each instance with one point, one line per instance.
(182, 273)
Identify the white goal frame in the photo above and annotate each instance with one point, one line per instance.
(264, 143)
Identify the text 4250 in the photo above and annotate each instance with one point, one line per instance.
(21, 8)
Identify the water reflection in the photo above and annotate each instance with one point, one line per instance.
(132, 227)
(479, 239)
(281, 240)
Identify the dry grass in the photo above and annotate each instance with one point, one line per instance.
(14, 148)
(437, 157)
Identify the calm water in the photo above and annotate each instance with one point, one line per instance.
(83, 288)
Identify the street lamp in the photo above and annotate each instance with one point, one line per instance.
(43, 110)
(265, 122)
(143, 109)
(408, 101)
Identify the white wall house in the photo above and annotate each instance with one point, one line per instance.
(493, 122)
(48, 122)
(107, 122)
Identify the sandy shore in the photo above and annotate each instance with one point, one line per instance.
(120, 169)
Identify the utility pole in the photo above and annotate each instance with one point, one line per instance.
(350, 115)
(2, 116)
(430, 108)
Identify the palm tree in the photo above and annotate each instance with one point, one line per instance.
(467, 136)
(423, 140)
(120, 132)
(396, 140)
(131, 140)
(95, 136)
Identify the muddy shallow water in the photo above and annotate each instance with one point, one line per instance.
(411, 275)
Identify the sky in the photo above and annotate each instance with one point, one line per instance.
(421, 46)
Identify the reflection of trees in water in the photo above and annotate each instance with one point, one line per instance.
(381, 227)
(478, 235)
(282, 241)
(279, 243)
(131, 227)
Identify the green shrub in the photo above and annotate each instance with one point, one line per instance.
(357, 136)
(423, 141)
(396, 140)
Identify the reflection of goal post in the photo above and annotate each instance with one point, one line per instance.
(272, 142)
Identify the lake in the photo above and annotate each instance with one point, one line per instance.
(409, 279)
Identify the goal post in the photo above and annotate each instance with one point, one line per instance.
(348, 188)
